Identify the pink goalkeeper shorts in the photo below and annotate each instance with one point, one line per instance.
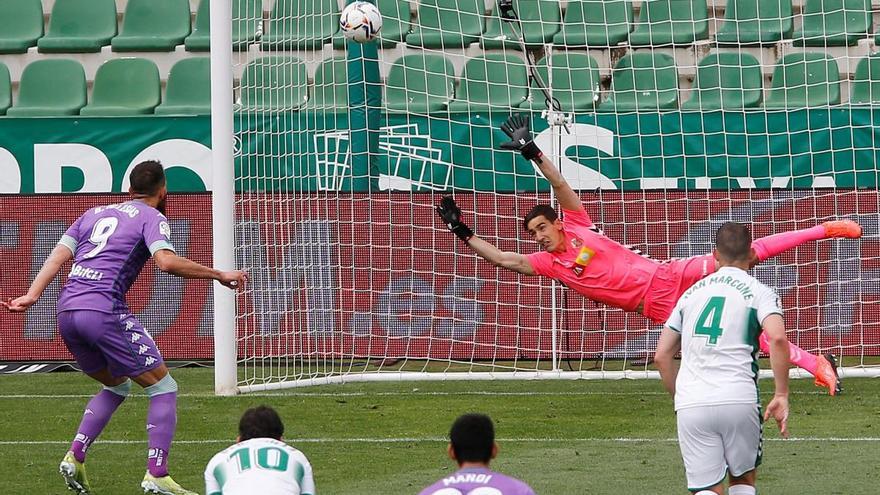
(672, 279)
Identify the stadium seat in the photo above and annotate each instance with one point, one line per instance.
(5, 89)
(643, 81)
(729, 81)
(865, 88)
(420, 83)
(79, 26)
(596, 23)
(50, 87)
(395, 24)
(494, 80)
(153, 26)
(124, 86)
(666, 22)
(834, 23)
(247, 18)
(21, 25)
(301, 24)
(274, 84)
(804, 80)
(575, 82)
(447, 24)
(539, 20)
(756, 22)
(188, 90)
(330, 88)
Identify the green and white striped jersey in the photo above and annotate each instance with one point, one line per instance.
(719, 319)
(259, 465)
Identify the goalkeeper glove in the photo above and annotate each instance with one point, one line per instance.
(518, 129)
(450, 213)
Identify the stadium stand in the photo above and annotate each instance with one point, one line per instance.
(395, 24)
(575, 82)
(21, 25)
(866, 84)
(643, 81)
(5, 89)
(834, 23)
(806, 79)
(595, 23)
(188, 91)
(540, 23)
(667, 22)
(274, 84)
(329, 92)
(756, 22)
(153, 26)
(729, 81)
(79, 26)
(51, 88)
(245, 32)
(125, 86)
(447, 24)
(420, 83)
(301, 24)
(494, 80)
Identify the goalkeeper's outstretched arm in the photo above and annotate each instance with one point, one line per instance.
(450, 213)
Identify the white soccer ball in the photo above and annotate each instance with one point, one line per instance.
(360, 21)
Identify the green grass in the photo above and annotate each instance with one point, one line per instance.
(605, 437)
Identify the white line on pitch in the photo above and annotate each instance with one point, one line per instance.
(561, 441)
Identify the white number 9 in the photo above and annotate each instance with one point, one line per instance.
(101, 233)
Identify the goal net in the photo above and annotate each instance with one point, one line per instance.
(668, 116)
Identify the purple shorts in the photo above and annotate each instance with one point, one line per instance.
(117, 342)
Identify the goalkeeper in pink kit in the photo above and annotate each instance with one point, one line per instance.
(577, 254)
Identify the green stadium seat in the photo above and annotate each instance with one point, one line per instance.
(756, 22)
(865, 88)
(492, 81)
(79, 26)
(447, 24)
(5, 89)
(420, 83)
(834, 23)
(124, 86)
(21, 25)
(247, 18)
(188, 90)
(596, 23)
(729, 81)
(540, 22)
(643, 81)
(329, 93)
(301, 24)
(395, 24)
(51, 87)
(667, 22)
(575, 82)
(804, 80)
(274, 84)
(153, 26)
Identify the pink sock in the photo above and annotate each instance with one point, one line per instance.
(797, 356)
(770, 246)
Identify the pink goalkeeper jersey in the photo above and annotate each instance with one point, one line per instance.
(595, 266)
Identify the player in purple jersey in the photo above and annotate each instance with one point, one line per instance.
(109, 246)
(472, 445)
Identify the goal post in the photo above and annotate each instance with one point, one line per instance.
(353, 277)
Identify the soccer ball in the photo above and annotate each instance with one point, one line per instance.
(360, 21)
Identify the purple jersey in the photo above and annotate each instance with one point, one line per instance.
(478, 481)
(110, 245)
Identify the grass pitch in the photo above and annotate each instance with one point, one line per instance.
(561, 437)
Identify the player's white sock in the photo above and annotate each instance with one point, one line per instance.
(741, 490)
(705, 492)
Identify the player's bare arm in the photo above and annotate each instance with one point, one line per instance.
(517, 127)
(450, 213)
(664, 359)
(59, 256)
(774, 327)
(169, 262)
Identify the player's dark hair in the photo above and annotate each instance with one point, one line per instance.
(472, 437)
(734, 242)
(545, 211)
(147, 178)
(260, 422)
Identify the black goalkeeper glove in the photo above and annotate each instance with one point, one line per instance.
(450, 213)
(518, 128)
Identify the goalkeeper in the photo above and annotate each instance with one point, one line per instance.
(577, 254)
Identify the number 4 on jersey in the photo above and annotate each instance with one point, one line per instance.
(709, 321)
